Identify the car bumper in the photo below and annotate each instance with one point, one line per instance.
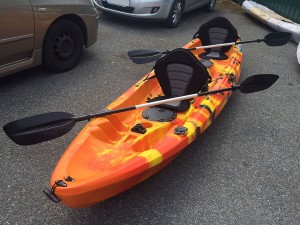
(138, 10)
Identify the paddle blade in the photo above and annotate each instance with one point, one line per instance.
(39, 128)
(277, 38)
(257, 83)
(144, 55)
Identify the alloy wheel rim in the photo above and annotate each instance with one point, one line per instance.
(212, 4)
(177, 12)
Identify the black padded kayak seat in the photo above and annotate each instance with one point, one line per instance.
(180, 73)
(219, 30)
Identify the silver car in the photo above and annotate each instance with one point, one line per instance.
(48, 32)
(169, 11)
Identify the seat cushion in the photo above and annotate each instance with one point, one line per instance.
(180, 73)
(180, 67)
(179, 76)
(216, 31)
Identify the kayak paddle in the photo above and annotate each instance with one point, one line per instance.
(150, 55)
(48, 126)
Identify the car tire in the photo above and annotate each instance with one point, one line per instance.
(210, 6)
(175, 14)
(62, 47)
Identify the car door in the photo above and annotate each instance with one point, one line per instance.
(16, 31)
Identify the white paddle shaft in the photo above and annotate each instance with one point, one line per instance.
(185, 97)
(176, 99)
(215, 46)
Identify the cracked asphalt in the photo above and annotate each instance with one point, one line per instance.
(245, 169)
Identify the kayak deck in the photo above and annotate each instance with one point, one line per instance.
(107, 158)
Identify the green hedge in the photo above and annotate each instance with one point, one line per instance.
(287, 8)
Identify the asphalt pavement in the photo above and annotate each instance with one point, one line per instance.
(245, 168)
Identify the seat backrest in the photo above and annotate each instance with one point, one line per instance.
(217, 31)
(180, 73)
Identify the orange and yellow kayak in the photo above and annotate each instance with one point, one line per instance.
(107, 157)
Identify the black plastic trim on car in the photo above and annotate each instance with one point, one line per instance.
(118, 8)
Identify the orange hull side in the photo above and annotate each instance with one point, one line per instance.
(106, 158)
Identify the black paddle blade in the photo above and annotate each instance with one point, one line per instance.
(39, 128)
(144, 55)
(277, 38)
(257, 83)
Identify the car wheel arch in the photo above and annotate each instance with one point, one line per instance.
(74, 18)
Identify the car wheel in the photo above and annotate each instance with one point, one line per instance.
(62, 47)
(175, 14)
(210, 6)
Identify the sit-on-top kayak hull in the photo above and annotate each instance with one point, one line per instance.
(107, 158)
